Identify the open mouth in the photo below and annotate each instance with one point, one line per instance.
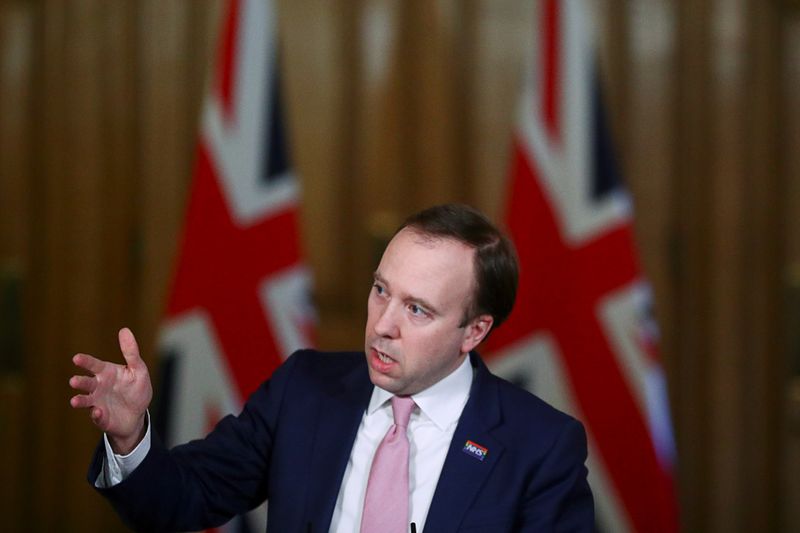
(383, 357)
(381, 361)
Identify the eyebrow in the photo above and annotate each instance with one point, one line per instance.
(414, 299)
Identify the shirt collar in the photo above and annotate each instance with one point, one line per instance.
(442, 402)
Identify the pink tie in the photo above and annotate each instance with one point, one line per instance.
(386, 502)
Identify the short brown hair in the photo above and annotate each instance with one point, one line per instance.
(496, 269)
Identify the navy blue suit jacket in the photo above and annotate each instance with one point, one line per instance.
(292, 441)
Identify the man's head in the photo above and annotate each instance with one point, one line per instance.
(447, 276)
(495, 262)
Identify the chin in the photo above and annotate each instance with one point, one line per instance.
(384, 382)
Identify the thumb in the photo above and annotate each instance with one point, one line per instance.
(129, 348)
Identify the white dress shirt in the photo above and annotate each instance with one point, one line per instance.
(430, 430)
(117, 467)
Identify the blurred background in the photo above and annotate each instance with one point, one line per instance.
(390, 106)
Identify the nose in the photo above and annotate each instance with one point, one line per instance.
(386, 323)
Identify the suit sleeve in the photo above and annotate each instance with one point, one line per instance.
(205, 482)
(560, 499)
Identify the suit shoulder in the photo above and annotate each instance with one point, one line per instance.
(317, 365)
(522, 406)
(309, 358)
(307, 374)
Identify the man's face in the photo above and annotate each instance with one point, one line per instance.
(422, 288)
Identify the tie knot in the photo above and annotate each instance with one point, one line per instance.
(401, 409)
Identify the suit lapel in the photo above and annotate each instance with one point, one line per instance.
(464, 473)
(337, 425)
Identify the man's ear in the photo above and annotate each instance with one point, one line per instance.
(475, 331)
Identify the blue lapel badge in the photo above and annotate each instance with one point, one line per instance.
(475, 450)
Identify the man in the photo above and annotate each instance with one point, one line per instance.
(413, 433)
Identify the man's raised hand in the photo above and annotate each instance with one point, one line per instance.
(117, 396)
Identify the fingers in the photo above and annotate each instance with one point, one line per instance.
(97, 417)
(83, 401)
(84, 383)
(87, 362)
(80, 401)
(129, 348)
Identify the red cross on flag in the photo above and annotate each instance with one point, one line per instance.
(239, 303)
(580, 335)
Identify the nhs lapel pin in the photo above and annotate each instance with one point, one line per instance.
(475, 450)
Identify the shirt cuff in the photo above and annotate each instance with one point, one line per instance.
(117, 467)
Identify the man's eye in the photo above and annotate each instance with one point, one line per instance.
(417, 310)
(378, 289)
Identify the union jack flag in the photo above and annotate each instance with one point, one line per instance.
(581, 335)
(239, 301)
